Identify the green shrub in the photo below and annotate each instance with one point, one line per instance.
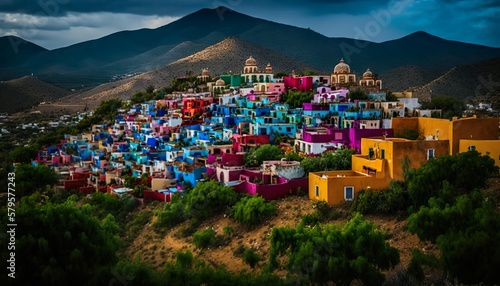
(323, 212)
(204, 238)
(238, 252)
(208, 198)
(191, 228)
(310, 219)
(228, 230)
(251, 258)
(172, 215)
(387, 201)
(184, 259)
(138, 191)
(250, 211)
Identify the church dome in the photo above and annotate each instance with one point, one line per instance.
(367, 74)
(220, 82)
(269, 68)
(250, 61)
(342, 67)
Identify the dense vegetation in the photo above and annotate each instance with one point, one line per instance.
(449, 106)
(266, 152)
(451, 212)
(73, 237)
(107, 111)
(60, 243)
(447, 208)
(328, 253)
(251, 210)
(295, 98)
(331, 160)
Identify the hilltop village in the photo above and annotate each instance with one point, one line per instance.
(188, 137)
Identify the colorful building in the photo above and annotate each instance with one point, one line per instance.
(381, 161)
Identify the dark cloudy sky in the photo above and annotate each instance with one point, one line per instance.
(58, 23)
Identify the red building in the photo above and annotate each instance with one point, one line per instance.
(302, 83)
(242, 142)
(192, 106)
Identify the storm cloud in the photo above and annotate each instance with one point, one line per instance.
(58, 23)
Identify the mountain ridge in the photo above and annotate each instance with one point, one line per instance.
(76, 64)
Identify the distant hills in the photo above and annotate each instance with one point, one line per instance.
(94, 62)
(22, 93)
(226, 56)
(478, 81)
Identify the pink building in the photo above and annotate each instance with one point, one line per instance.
(275, 180)
(316, 140)
(326, 95)
(302, 83)
(268, 186)
(276, 87)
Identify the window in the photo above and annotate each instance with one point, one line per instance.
(472, 148)
(316, 191)
(288, 129)
(431, 154)
(348, 193)
(382, 154)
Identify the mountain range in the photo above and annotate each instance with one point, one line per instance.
(410, 61)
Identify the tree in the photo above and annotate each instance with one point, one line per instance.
(107, 110)
(330, 160)
(23, 154)
(251, 258)
(263, 153)
(30, 179)
(59, 244)
(463, 172)
(173, 214)
(390, 97)
(357, 94)
(466, 233)
(138, 191)
(209, 197)
(410, 134)
(296, 98)
(387, 201)
(203, 238)
(251, 210)
(327, 253)
(150, 89)
(449, 105)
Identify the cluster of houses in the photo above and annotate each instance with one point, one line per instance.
(187, 138)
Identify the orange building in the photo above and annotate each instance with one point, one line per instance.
(384, 159)
(470, 128)
(381, 161)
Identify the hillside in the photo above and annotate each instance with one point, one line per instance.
(479, 80)
(94, 62)
(228, 55)
(24, 92)
(408, 76)
(15, 53)
(156, 248)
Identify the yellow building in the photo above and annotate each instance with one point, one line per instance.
(384, 159)
(470, 128)
(485, 147)
(381, 161)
